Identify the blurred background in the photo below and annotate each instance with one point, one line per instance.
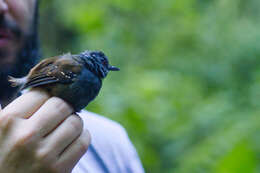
(189, 86)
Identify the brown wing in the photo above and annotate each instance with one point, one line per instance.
(62, 69)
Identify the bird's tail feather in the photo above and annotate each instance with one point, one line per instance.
(15, 82)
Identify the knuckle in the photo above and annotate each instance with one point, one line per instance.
(83, 145)
(25, 137)
(84, 141)
(39, 93)
(42, 155)
(10, 112)
(6, 122)
(60, 105)
(75, 123)
(5, 114)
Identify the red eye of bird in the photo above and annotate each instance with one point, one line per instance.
(104, 62)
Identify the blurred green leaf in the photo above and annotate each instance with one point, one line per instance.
(188, 89)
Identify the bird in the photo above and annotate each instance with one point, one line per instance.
(77, 79)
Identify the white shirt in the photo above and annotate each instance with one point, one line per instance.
(110, 151)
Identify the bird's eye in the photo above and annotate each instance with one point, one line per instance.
(104, 62)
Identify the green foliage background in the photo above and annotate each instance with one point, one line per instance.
(189, 86)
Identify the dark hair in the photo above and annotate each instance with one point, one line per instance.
(30, 54)
(27, 57)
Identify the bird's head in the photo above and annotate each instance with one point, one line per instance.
(97, 62)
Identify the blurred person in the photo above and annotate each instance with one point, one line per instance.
(39, 133)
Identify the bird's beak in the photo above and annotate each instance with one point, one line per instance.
(113, 68)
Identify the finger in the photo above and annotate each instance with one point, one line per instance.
(70, 157)
(50, 115)
(56, 142)
(25, 105)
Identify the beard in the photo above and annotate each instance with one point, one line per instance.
(25, 59)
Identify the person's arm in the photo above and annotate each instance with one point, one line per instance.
(39, 134)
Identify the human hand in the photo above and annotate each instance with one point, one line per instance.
(38, 134)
